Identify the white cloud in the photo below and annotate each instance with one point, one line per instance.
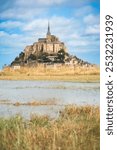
(38, 2)
(95, 29)
(83, 11)
(2, 34)
(15, 41)
(35, 25)
(91, 19)
(77, 43)
(22, 13)
(55, 21)
(11, 24)
(92, 22)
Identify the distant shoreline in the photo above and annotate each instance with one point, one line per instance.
(72, 78)
(63, 73)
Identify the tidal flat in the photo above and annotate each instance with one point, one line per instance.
(44, 97)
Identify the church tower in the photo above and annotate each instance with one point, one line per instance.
(48, 35)
(48, 31)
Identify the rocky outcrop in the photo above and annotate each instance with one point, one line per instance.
(62, 57)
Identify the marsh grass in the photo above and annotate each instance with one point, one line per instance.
(30, 103)
(76, 128)
(63, 73)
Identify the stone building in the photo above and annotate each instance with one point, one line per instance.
(51, 45)
(48, 50)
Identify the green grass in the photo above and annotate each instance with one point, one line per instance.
(77, 128)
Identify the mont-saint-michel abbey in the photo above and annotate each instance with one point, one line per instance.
(50, 45)
(48, 50)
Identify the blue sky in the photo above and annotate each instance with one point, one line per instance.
(75, 22)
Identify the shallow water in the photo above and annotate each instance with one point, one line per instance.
(63, 92)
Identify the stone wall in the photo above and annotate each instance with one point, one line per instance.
(50, 45)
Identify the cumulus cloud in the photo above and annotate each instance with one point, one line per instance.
(2, 34)
(91, 19)
(22, 13)
(27, 9)
(93, 29)
(82, 11)
(43, 3)
(39, 2)
(11, 24)
(9, 40)
(56, 23)
(92, 25)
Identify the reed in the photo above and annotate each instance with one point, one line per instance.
(76, 128)
(30, 103)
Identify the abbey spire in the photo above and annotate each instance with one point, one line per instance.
(48, 31)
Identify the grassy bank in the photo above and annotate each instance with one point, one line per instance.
(80, 74)
(77, 128)
(73, 78)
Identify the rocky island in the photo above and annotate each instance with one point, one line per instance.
(49, 50)
(48, 59)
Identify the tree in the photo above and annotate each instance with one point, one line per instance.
(43, 56)
(21, 55)
(17, 59)
(61, 55)
(32, 57)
